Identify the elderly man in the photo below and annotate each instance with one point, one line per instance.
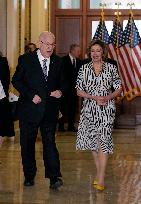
(40, 80)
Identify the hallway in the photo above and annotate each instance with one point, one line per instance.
(123, 178)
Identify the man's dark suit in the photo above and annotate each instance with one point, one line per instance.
(112, 61)
(68, 107)
(4, 74)
(29, 81)
(6, 123)
(71, 71)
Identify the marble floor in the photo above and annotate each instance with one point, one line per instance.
(123, 178)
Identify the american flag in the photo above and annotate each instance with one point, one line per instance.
(121, 50)
(101, 32)
(115, 42)
(115, 39)
(131, 44)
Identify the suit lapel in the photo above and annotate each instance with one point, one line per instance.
(51, 65)
(1, 67)
(38, 67)
(69, 61)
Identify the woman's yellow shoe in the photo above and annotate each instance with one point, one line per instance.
(98, 187)
(95, 182)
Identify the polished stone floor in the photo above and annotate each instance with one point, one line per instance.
(123, 178)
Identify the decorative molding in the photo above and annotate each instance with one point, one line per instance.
(29, 27)
(20, 13)
(3, 27)
(49, 14)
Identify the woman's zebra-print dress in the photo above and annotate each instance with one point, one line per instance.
(96, 122)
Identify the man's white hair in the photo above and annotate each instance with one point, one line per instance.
(45, 34)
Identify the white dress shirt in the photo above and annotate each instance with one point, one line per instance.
(41, 58)
(2, 93)
(72, 58)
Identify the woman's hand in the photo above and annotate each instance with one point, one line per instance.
(102, 100)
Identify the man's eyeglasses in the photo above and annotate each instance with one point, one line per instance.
(48, 44)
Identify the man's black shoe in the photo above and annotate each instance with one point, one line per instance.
(55, 185)
(29, 182)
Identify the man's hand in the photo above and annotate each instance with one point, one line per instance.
(36, 99)
(56, 94)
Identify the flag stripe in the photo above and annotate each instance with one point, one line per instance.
(124, 58)
(113, 55)
(137, 68)
(124, 73)
(130, 66)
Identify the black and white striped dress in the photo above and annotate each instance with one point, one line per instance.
(96, 122)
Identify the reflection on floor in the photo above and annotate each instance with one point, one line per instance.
(123, 180)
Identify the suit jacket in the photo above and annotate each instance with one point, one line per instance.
(112, 61)
(4, 74)
(29, 81)
(70, 71)
(85, 61)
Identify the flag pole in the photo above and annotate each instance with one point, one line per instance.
(102, 5)
(131, 17)
(118, 20)
(131, 43)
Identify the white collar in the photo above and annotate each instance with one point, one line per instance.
(2, 93)
(41, 58)
(71, 57)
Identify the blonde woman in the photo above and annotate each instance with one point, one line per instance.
(94, 84)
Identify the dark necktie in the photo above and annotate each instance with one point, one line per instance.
(73, 63)
(44, 68)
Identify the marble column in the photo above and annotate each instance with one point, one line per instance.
(22, 27)
(39, 18)
(3, 29)
(18, 25)
(12, 33)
